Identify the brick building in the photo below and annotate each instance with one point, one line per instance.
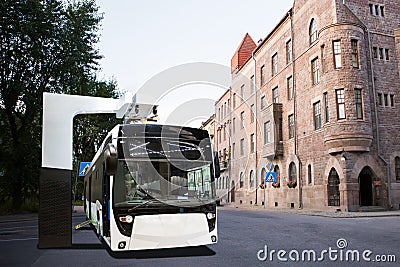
(319, 98)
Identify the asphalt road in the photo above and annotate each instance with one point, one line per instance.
(244, 237)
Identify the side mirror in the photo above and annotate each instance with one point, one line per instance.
(217, 171)
(110, 159)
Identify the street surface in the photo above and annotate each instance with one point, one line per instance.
(246, 238)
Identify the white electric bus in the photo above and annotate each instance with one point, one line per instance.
(152, 186)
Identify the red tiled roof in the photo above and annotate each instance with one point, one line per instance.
(243, 52)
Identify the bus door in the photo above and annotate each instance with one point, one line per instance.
(106, 202)
(90, 197)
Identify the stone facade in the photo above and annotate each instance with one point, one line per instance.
(319, 98)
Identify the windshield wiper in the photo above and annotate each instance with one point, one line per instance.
(141, 205)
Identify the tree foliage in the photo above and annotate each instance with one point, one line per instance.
(45, 46)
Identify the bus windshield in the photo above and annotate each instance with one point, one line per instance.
(171, 171)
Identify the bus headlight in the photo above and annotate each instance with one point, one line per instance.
(210, 215)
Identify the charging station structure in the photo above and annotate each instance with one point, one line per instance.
(59, 110)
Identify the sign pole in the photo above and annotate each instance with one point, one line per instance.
(265, 188)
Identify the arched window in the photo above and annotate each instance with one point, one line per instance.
(278, 173)
(397, 167)
(262, 178)
(313, 32)
(241, 181)
(292, 172)
(309, 175)
(251, 179)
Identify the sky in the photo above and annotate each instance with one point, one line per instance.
(141, 39)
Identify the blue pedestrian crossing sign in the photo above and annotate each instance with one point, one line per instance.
(270, 177)
(83, 167)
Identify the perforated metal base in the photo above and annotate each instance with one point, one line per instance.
(55, 211)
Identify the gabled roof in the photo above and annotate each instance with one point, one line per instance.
(243, 52)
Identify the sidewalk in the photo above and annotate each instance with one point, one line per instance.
(329, 214)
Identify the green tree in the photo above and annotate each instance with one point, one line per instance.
(45, 46)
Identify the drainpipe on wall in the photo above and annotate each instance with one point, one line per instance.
(255, 121)
(300, 196)
(228, 194)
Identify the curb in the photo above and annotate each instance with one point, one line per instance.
(325, 214)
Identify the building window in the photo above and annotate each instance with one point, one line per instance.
(278, 174)
(387, 54)
(253, 113)
(375, 52)
(263, 176)
(397, 168)
(224, 132)
(252, 143)
(275, 96)
(274, 64)
(337, 54)
(225, 155)
(380, 103)
(313, 32)
(262, 73)
(291, 126)
(251, 179)
(377, 10)
(253, 85)
(392, 100)
(309, 174)
(317, 115)
(263, 103)
(323, 59)
(267, 132)
(242, 92)
(234, 100)
(289, 51)
(241, 181)
(292, 172)
(233, 125)
(381, 53)
(385, 99)
(242, 119)
(354, 54)
(233, 150)
(227, 182)
(326, 103)
(358, 100)
(289, 83)
(280, 129)
(315, 71)
(340, 105)
(242, 147)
